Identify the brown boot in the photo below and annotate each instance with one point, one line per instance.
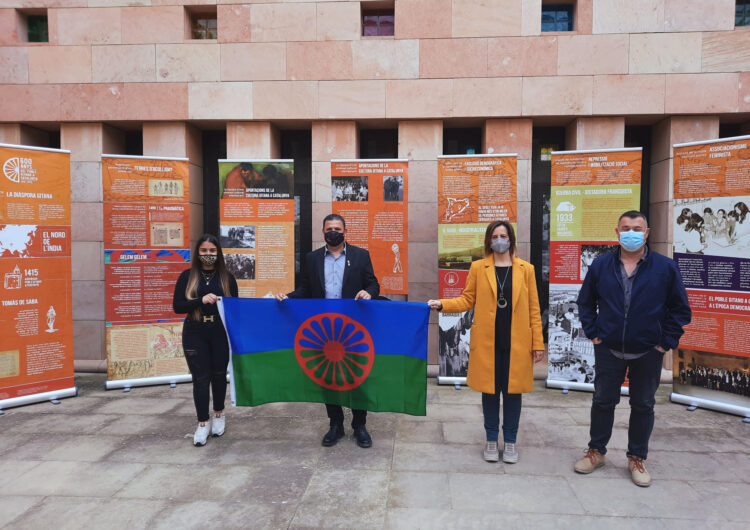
(638, 471)
(592, 460)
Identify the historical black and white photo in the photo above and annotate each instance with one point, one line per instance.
(571, 354)
(237, 236)
(454, 338)
(349, 189)
(242, 266)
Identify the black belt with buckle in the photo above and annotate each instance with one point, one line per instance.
(208, 318)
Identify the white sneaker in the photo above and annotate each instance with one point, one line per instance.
(217, 425)
(201, 434)
(510, 456)
(491, 453)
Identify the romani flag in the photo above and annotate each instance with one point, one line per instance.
(369, 355)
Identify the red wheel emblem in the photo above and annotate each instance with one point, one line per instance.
(334, 350)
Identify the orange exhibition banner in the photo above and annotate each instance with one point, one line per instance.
(473, 191)
(36, 316)
(146, 247)
(372, 196)
(711, 238)
(257, 217)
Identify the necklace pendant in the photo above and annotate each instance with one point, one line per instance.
(502, 303)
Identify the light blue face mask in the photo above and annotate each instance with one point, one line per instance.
(631, 240)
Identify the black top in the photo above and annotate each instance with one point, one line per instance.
(358, 275)
(182, 305)
(503, 315)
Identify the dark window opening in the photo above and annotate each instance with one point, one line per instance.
(378, 22)
(544, 141)
(297, 145)
(37, 29)
(742, 13)
(203, 23)
(557, 17)
(463, 141)
(640, 136)
(378, 143)
(728, 130)
(214, 148)
(134, 143)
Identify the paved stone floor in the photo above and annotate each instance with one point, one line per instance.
(107, 459)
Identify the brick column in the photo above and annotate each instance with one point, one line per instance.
(87, 142)
(595, 133)
(176, 139)
(422, 142)
(330, 140)
(20, 134)
(252, 139)
(678, 129)
(514, 136)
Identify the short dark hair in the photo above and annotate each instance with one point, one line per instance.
(633, 214)
(488, 236)
(333, 217)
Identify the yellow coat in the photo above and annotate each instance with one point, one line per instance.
(526, 325)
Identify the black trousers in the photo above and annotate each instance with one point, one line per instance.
(207, 354)
(336, 415)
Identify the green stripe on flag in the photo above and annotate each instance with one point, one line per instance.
(397, 383)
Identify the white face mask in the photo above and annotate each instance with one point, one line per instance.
(500, 245)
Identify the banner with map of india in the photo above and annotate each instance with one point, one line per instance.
(473, 191)
(257, 214)
(146, 247)
(590, 190)
(373, 197)
(711, 227)
(36, 301)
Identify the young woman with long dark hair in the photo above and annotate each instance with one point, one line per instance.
(506, 336)
(204, 340)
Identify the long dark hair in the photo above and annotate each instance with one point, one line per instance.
(488, 237)
(742, 207)
(191, 291)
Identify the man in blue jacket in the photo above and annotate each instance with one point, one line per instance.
(633, 306)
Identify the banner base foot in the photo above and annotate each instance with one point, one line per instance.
(745, 420)
(565, 390)
(55, 401)
(127, 384)
(457, 386)
(691, 408)
(173, 384)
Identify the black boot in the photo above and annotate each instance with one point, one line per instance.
(362, 436)
(333, 435)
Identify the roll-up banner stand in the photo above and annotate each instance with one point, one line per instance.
(257, 218)
(473, 191)
(36, 320)
(590, 190)
(372, 196)
(147, 246)
(711, 226)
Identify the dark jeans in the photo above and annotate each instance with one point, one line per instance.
(336, 415)
(511, 403)
(644, 374)
(207, 354)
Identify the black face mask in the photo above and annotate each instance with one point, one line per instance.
(334, 238)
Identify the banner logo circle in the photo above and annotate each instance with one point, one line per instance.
(334, 350)
(12, 169)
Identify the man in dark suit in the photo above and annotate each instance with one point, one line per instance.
(338, 270)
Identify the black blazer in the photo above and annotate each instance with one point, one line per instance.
(358, 275)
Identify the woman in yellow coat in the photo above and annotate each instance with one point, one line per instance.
(506, 336)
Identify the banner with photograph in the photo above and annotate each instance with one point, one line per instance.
(589, 192)
(473, 191)
(36, 316)
(257, 224)
(711, 226)
(146, 247)
(372, 196)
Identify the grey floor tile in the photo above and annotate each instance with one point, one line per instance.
(70, 513)
(432, 457)
(663, 499)
(344, 499)
(410, 489)
(726, 497)
(95, 479)
(270, 452)
(176, 449)
(68, 447)
(232, 514)
(513, 493)
(131, 404)
(422, 431)
(66, 424)
(12, 508)
(190, 482)
(346, 454)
